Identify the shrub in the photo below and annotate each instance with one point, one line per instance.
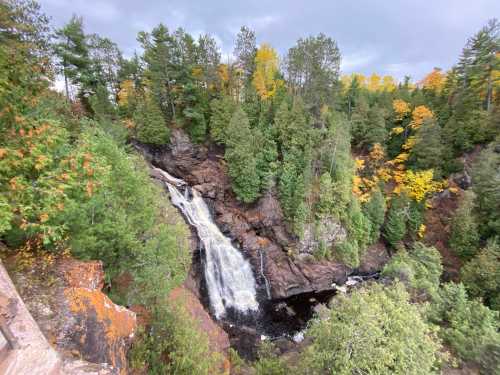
(420, 268)
(468, 326)
(374, 330)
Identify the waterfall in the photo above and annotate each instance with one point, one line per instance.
(229, 277)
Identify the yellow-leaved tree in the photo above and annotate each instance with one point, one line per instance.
(434, 81)
(266, 66)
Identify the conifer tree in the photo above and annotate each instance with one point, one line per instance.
(375, 209)
(241, 158)
(427, 153)
(150, 124)
(464, 239)
(395, 225)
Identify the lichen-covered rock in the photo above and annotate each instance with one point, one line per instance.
(25, 350)
(76, 317)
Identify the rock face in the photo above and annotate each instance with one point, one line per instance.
(75, 316)
(258, 228)
(25, 350)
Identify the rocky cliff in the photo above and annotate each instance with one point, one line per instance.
(84, 332)
(259, 229)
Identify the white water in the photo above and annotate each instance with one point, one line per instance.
(229, 277)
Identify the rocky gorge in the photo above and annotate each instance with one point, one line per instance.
(259, 229)
(290, 279)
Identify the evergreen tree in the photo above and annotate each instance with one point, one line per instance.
(395, 225)
(373, 330)
(150, 124)
(222, 112)
(468, 326)
(419, 268)
(374, 210)
(376, 131)
(486, 185)
(428, 153)
(464, 238)
(241, 158)
(72, 51)
(481, 275)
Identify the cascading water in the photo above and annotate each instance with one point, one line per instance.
(229, 277)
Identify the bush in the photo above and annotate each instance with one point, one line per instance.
(468, 326)
(374, 330)
(269, 362)
(173, 345)
(481, 275)
(420, 268)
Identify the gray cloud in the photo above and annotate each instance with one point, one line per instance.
(395, 37)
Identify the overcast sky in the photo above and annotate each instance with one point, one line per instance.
(383, 36)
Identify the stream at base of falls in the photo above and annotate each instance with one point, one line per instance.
(242, 307)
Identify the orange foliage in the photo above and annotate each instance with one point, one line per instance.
(434, 81)
(419, 115)
(401, 109)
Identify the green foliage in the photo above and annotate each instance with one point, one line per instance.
(241, 158)
(150, 124)
(464, 238)
(428, 153)
(486, 185)
(268, 362)
(222, 112)
(313, 66)
(468, 326)
(376, 131)
(173, 335)
(395, 225)
(374, 210)
(416, 218)
(374, 330)
(419, 268)
(481, 275)
(358, 226)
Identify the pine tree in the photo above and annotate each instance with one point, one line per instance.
(486, 185)
(241, 158)
(73, 52)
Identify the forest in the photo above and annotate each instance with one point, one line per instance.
(371, 153)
